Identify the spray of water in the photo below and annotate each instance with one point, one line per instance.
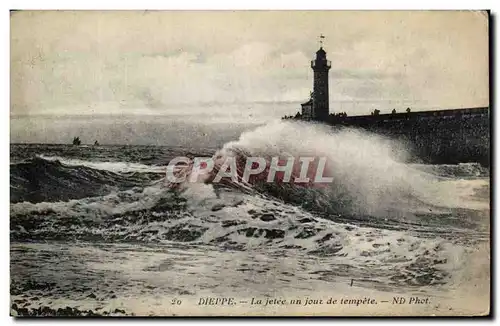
(370, 176)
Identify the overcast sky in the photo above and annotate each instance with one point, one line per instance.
(234, 67)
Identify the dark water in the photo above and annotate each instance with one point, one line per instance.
(100, 224)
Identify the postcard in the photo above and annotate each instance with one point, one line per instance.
(249, 163)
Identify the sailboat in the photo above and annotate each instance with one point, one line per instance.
(76, 141)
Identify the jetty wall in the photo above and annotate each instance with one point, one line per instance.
(433, 137)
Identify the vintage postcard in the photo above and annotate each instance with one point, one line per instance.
(249, 163)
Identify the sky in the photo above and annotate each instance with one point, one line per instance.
(116, 70)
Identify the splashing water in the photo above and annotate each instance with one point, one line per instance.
(387, 224)
(369, 172)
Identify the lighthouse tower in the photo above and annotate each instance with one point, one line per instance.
(320, 66)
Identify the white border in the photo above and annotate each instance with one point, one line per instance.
(181, 5)
(252, 4)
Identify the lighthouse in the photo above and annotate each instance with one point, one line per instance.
(320, 66)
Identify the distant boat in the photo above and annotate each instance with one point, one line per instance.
(96, 143)
(76, 141)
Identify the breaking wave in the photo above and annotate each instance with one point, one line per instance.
(380, 218)
(393, 253)
(370, 176)
(117, 167)
(461, 170)
(51, 179)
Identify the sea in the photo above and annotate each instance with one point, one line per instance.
(99, 230)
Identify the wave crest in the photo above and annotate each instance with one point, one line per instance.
(370, 176)
(49, 179)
